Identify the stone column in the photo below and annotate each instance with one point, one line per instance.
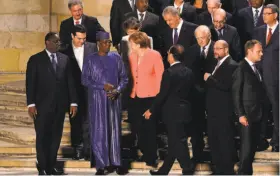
(23, 25)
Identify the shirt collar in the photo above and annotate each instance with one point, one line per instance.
(249, 62)
(176, 62)
(207, 46)
(180, 25)
(259, 9)
(181, 6)
(274, 26)
(49, 53)
(223, 59)
(80, 21)
(74, 47)
(138, 12)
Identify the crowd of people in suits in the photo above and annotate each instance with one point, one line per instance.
(198, 67)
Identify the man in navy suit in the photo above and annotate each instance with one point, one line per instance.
(247, 19)
(268, 35)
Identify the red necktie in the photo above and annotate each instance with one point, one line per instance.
(268, 35)
(77, 22)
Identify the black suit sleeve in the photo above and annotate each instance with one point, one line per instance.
(115, 24)
(223, 84)
(31, 81)
(162, 95)
(63, 33)
(237, 92)
(236, 47)
(71, 84)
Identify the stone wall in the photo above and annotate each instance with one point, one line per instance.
(24, 24)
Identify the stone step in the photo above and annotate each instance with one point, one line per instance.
(12, 99)
(30, 162)
(14, 86)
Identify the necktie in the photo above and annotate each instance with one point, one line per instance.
(77, 22)
(179, 10)
(202, 54)
(53, 62)
(257, 72)
(268, 35)
(175, 39)
(141, 17)
(256, 17)
(220, 33)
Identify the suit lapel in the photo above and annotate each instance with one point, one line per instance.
(251, 70)
(182, 32)
(274, 36)
(48, 63)
(250, 15)
(222, 66)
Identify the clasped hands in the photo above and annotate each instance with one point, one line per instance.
(112, 92)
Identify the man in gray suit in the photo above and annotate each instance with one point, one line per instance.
(77, 51)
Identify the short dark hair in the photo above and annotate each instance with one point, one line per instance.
(273, 8)
(131, 23)
(177, 51)
(250, 44)
(50, 35)
(140, 38)
(78, 28)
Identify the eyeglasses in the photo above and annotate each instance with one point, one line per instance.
(265, 14)
(219, 22)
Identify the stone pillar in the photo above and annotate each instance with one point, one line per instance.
(23, 25)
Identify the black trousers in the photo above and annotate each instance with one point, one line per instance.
(221, 141)
(198, 125)
(145, 130)
(49, 128)
(80, 139)
(177, 148)
(249, 137)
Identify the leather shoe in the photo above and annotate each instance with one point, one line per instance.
(121, 171)
(275, 149)
(152, 172)
(42, 172)
(153, 164)
(56, 171)
(100, 172)
(77, 155)
(262, 145)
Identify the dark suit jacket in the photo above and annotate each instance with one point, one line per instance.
(248, 93)
(188, 13)
(244, 23)
(118, 9)
(76, 71)
(270, 59)
(238, 5)
(150, 26)
(174, 97)
(46, 88)
(218, 91)
(231, 36)
(200, 65)
(91, 23)
(205, 19)
(186, 37)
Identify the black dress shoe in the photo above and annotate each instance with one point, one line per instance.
(42, 172)
(152, 172)
(87, 158)
(262, 145)
(78, 155)
(121, 171)
(153, 164)
(275, 149)
(56, 171)
(100, 172)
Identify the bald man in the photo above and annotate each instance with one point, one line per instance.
(206, 18)
(222, 31)
(219, 109)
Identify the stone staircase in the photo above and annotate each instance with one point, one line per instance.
(17, 139)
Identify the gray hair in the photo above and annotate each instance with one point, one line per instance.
(204, 29)
(216, 1)
(273, 8)
(74, 2)
(170, 10)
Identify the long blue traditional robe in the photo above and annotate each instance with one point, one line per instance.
(104, 114)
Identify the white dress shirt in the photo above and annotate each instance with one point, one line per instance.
(79, 55)
(220, 62)
(131, 3)
(178, 28)
(176, 62)
(254, 11)
(272, 27)
(80, 21)
(181, 7)
(55, 58)
(139, 16)
(253, 68)
(206, 48)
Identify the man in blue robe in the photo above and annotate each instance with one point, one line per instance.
(105, 77)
